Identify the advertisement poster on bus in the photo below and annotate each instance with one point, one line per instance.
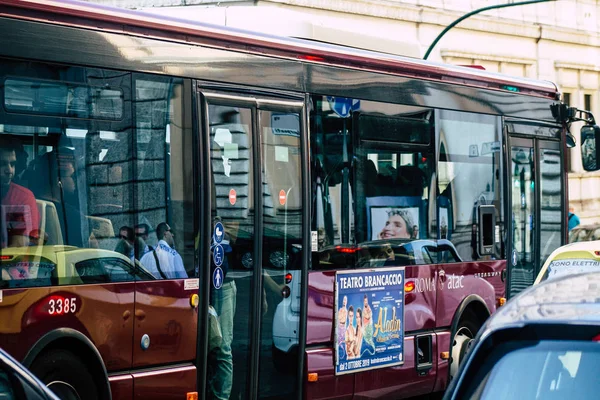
(394, 217)
(369, 319)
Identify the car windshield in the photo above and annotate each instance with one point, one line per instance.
(540, 370)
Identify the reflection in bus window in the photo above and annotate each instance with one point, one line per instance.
(233, 208)
(73, 175)
(281, 244)
(372, 174)
(468, 176)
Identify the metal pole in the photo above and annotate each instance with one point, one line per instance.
(456, 22)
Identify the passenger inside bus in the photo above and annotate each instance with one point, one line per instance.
(19, 209)
(54, 178)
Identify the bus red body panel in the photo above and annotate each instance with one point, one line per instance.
(328, 386)
(431, 305)
(121, 386)
(443, 342)
(109, 327)
(168, 384)
(163, 312)
(482, 279)
(396, 382)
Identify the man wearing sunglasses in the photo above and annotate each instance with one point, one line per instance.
(164, 262)
(142, 231)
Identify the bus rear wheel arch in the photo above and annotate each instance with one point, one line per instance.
(78, 346)
(66, 374)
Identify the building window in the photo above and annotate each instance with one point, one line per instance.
(587, 102)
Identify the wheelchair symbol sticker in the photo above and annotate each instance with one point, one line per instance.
(217, 278)
(218, 255)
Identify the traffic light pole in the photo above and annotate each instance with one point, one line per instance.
(456, 22)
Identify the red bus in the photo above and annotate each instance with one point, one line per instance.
(152, 168)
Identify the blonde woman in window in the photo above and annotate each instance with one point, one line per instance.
(399, 225)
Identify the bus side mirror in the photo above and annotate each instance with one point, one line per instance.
(590, 136)
(487, 222)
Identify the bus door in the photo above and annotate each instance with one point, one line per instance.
(254, 196)
(537, 226)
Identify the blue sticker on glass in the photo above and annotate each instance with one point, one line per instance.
(218, 255)
(217, 278)
(218, 233)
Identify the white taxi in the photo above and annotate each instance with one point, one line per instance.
(571, 259)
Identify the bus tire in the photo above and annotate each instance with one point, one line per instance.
(66, 375)
(462, 340)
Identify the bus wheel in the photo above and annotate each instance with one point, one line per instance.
(465, 333)
(66, 375)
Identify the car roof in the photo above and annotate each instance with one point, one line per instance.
(577, 246)
(570, 299)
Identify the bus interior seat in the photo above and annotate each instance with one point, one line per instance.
(49, 222)
(407, 180)
(103, 231)
(411, 179)
(367, 177)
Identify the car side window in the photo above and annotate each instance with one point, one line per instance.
(427, 256)
(110, 270)
(90, 271)
(117, 270)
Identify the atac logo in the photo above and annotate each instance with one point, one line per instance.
(450, 281)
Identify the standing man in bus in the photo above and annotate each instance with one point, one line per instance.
(18, 203)
(224, 300)
(164, 261)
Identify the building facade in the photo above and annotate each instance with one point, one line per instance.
(557, 41)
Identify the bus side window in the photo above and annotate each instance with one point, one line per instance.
(469, 158)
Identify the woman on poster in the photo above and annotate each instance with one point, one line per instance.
(399, 225)
(367, 322)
